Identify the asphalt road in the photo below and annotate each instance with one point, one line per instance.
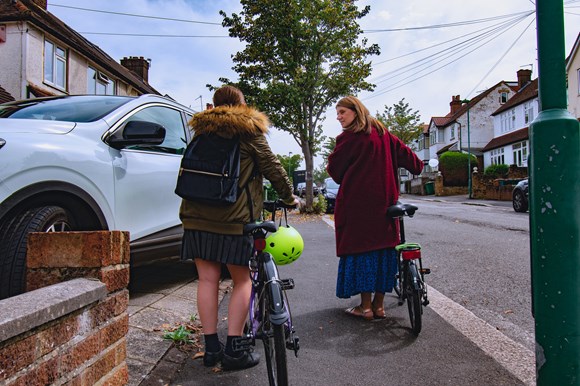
(457, 345)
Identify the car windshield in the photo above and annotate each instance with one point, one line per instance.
(330, 184)
(69, 109)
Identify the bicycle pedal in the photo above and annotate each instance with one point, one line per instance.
(425, 271)
(294, 345)
(287, 284)
(426, 302)
(242, 343)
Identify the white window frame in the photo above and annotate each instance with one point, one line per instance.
(520, 151)
(497, 156)
(99, 84)
(578, 79)
(503, 97)
(55, 65)
(528, 112)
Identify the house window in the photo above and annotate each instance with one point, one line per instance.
(497, 157)
(452, 135)
(520, 154)
(528, 112)
(98, 83)
(433, 136)
(503, 97)
(55, 65)
(508, 120)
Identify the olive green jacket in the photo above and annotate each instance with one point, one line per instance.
(255, 154)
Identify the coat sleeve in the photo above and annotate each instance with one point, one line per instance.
(271, 168)
(341, 157)
(406, 157)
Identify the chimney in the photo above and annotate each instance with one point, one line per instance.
(455, 104)
(524, 77)
(137, 65)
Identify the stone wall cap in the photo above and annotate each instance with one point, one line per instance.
(26, 311)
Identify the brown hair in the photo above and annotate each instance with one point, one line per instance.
(228, 95)
(363, 121)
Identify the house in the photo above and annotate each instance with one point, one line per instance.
(573, 73)
(468, 126)
(41, 56)
(510, 145)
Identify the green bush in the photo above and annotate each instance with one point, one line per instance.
(496, 171)
(453, 166)
(318, 206)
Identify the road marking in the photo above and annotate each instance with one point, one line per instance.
(513, 356)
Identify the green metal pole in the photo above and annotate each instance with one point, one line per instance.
(468, 156)
(554, 210)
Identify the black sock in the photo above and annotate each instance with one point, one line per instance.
(212, 343)
(230, 347)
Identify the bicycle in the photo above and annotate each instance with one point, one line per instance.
(410, 280)
(269, 317)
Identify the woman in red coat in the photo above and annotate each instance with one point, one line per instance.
(365, 163)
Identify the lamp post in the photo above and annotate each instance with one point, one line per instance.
(468, 151)
(289, 155)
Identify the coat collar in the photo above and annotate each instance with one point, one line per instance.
(228, 121)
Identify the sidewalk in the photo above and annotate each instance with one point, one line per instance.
(463, 199)
(162, 296)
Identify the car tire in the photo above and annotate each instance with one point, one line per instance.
(13, 243)
(519, 201)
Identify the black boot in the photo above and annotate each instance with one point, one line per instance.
(246, 360)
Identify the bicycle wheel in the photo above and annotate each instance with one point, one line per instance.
(414, 293)
(274, 341)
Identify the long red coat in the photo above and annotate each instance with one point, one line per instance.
(364, 165)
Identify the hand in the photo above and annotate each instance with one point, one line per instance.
(298, 202)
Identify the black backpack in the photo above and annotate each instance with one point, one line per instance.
(210, 170)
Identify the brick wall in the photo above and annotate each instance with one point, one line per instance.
(71, 327)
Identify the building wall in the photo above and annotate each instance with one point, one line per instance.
(11, 60)
(13, 54)
(481, 123)
(574, 86)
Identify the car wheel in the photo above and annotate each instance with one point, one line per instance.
(13, 243)
(519, 202)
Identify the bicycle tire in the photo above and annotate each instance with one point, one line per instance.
(274, 341)
(414, 295)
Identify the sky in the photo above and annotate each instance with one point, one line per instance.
(430, 50)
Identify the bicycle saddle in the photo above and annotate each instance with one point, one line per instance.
(400, 210)
(269, 226)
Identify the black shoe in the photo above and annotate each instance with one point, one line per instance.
(247, 360)
(211, 359)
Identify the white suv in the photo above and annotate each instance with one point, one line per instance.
(90, 163)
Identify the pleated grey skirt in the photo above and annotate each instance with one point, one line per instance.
(227, 249)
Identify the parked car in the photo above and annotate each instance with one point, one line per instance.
(90, 163)
(520, 196)
(301, 190)
(330, 190)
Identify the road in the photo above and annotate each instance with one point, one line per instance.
(477, 330)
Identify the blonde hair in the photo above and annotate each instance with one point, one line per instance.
(228, 96)
(363, 121)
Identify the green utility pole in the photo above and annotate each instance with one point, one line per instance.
(554, 210)
(469, 171)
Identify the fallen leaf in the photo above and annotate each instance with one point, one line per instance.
(198, 355)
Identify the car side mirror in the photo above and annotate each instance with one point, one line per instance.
(137, 133)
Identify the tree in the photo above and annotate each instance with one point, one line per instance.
(402, 122)
(290, 163)
(300, 57)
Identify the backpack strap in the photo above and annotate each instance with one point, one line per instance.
(246, 187)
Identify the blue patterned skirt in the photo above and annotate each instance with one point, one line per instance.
(366, 272)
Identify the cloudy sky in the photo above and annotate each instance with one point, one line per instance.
(430, 50)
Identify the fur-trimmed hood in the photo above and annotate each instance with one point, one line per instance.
(228, 121)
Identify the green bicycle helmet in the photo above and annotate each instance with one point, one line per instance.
(285, 245)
